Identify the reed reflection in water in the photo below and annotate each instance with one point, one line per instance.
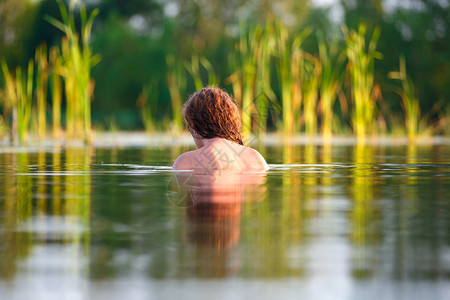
(45, 219)
(365, 221)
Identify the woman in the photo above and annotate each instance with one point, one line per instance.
(213, 120)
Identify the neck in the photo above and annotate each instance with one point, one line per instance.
(205, 142)
(212, 140)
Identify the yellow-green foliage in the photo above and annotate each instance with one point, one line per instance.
(290, 68)
(251, 76)
(410, 104)
(284, 67)
(313, 69)
(308, 83)
(194, 69)
(73, 63)
(361, 69)
(41, 88)
(176, 81)
(245, 66)
(3, 128)
(19, 96)
(146, 102)
(445, 121)
(56, 90)
(3, 125)
(264, 93)
(77, 62)
(331, 80)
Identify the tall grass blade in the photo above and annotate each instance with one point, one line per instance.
(290, 69)
(176, 81)
(361, 69)
(147, 103)
(41, 88)
(194, 70)
(313, 69)
(19, 92)
(246, 60)
(331, 59)
(56, 90)
(410, 104)
(76, 66)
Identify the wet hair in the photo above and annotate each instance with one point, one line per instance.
(211, 112)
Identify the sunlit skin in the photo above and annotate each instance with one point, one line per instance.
(220, 154)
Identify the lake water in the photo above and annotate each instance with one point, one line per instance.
(326, 222)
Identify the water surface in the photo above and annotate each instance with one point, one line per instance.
(326, 222)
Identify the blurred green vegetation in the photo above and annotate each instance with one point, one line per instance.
(135, 38)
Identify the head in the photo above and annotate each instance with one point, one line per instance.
(210, 113)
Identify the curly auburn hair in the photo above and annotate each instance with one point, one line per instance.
(211, 112)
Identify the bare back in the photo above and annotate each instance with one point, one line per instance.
(221, 154)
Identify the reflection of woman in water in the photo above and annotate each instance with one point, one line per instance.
(213, 119)
(214, 219)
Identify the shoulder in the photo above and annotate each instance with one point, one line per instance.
(255, 161)
(184, 161)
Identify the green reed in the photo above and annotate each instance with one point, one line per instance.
(284, 71)
(361, 69)
(244, 64)
(3, 127)
(147, 102)
(235, 79)
(75, 68)
(5, 106)
(296, 85)
(311, 80)
(176, 82)
(212, 77)
(256, 49)
(444, 121)
(56, 90)
(19, 96)
(194, 68)
(410, 104)
(72, 93)
(265, 96)
(41, 61)
(247, 47)
(308, 83)
(290, 69)
(331, 59)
